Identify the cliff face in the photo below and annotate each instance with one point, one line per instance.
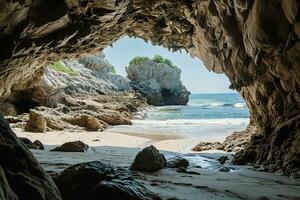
(255, 43)
(158, 82)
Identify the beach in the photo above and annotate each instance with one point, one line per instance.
(210, 183)
(174, 131)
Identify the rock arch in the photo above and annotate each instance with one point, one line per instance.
(254, 42)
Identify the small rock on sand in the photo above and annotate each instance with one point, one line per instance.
(76, 146)
(149, 160)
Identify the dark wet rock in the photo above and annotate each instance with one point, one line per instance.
(224, 169)
(184, 170)
(149, 160)
(75, 146)
(21, 176)
(98, 180)
(223, 159)
(177, 162)
(32, 145)
(39, 144)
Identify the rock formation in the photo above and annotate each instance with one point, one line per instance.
(32, 145)
(236, 142)
(21, 176)
(255, 43)
(84, 94)
(149, 160)
(177, 162)
(158, 82)
(97, 180)
(76, 146)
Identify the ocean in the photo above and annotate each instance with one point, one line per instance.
(205, 116)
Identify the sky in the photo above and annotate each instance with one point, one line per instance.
(194, 75)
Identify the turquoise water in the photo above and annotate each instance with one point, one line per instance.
(204, 106)
(207, 116)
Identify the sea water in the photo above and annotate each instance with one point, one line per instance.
(205, 115)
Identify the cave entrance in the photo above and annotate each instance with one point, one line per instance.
(213, 111)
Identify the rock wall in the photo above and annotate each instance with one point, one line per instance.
(21, 176)
(254, 42)
(158, 82)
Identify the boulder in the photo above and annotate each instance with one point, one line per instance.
(177, 162)
(149, 160)
(76, 146)
(36, 122)
(159, 82)
(32, 145)
(223, 159)
(39, 144)
(98, 180)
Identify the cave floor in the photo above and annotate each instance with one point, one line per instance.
(210, 183)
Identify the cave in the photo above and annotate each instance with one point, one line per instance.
(254, 43)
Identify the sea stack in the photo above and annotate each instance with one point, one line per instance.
(158, 80)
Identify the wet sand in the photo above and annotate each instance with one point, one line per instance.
(120, 150)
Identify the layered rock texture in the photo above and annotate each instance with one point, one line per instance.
(75, 94)
(159, 82)
(255, 43)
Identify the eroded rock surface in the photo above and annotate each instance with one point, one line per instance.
(158, 82)
(255, 43)
(21, 176)
(235, 142)
(97, 180)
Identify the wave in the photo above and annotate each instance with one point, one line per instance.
(220, 104)
(223, 121)
(240, 105)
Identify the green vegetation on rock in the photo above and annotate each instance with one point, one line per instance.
(60, 67)
(113, 71)
(137, 59)
(157, 59)
(160, 59)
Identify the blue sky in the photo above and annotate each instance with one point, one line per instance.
(194, 75)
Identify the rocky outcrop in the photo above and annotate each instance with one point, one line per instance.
(90, 113)
(32, 145)
(254, 43)
(21, 176)
(236, 142)
(76, 146)
(97, 180)
(158, 82)
(149, 160)
(92, 75)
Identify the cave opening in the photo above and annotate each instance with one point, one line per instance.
(254, 43)
(23, 102)
(211, 112)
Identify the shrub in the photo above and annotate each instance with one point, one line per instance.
(113, 71)
(160, 59)
(60, 67)
(137, 59)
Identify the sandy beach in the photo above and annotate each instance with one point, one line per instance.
(173, 143)
(210, 183)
